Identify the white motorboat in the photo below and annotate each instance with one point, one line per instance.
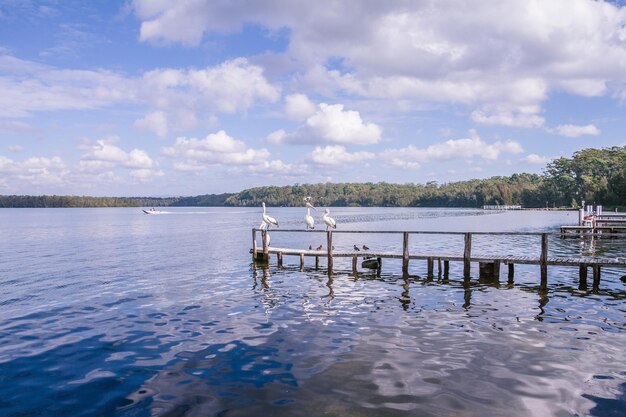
(152, 211)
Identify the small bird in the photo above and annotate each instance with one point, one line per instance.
(310, 247)
(365, 248)
(330, 222)
(356, 248)
(320, 247)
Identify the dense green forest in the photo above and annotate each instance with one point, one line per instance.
(50, 201)
(593, 175)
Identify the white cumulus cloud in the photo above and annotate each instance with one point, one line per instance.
(337, 155)
(574, 131)
(278, 168)
(465, 148)
(522, 116)
(299, 107)
(191, 154)
(535, 159)
(331, 124)
(155, 122)
(103, 154)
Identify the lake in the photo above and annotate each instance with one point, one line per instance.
(112, 312)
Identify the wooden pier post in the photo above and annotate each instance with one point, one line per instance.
(253, 245)
(596, 277)
(329, 251)
(543, 260)
(439, 268)
(489, 270)
(511, 272)
(431, 266)
(354, 262)
(317, 262)
(380, 266)
(467, 253)
(279, 256)
(446, 269)
(266, 247)
(405, 252)
(582, 275)
(302, 262)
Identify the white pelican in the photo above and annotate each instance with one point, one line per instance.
(308, 219)
(263, 226)
(330, 222)
(267, 219)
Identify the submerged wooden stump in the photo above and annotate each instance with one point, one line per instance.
(489, 269)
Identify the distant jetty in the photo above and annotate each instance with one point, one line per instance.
(596, 222)
(502, 207)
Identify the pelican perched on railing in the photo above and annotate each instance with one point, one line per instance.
(330, 222)
(269, 221)
(308, 219)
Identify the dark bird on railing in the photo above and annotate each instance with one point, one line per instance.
(356, 248)
(320, 247)
(310, 247)
(365, 248)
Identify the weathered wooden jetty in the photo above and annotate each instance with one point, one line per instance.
(489, 266)
(597, 223)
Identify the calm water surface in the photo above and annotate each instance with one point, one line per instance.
(112, 312)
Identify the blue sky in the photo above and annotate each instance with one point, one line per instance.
(159, 98)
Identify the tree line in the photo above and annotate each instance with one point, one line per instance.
(593, 175)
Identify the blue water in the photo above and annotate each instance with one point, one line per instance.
(113, 312)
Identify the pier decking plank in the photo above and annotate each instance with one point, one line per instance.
(528, 260)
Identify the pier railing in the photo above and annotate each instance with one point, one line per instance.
(488, 265)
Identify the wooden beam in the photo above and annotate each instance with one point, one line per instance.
(253, 245)
(266, 247)
(329, 251)
(430, 262)
(438, 268)
(511, 272)
(467, 254)
(596, 277)
(354, 262)
(405, 252)
(317, 263)
(446, 269)
(543, 260)
(582, 275)
(279, 256)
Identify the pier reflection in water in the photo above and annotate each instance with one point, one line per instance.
(339, 346)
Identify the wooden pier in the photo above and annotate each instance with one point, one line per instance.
(489, 266)
(597, 223)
